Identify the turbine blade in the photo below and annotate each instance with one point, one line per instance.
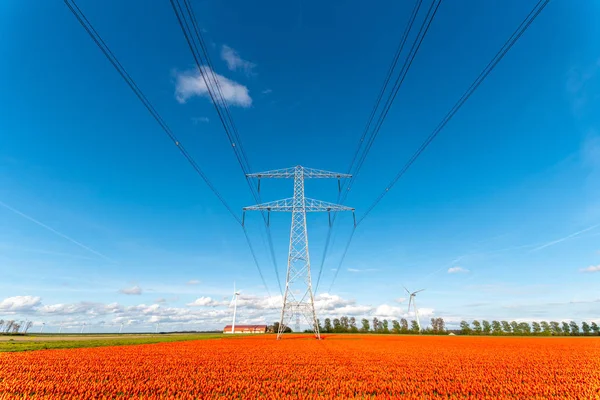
(409, 302)
(418, 291)
(406, 289)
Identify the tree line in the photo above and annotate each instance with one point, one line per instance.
(438, 327)
(543, 328)
(350, 325)
(13, 327)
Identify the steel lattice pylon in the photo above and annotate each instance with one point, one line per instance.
(298, 297)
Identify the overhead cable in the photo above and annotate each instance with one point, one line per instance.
(476, 83)
(424, 28)
(193, 37)
(85, 23)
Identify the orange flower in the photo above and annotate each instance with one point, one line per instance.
(343, 366)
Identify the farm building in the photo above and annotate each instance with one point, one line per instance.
(246, 329)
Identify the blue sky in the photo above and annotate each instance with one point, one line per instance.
(102, 220)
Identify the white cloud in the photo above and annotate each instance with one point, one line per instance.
(592, 268)
(135, 290)
(160, 300)
(356, 270)
(267, 91)
(400, 300)
(193, 282)
(203, 302)
(235, 62)
(82, 308)
(19, 304)
(198, 120)
(385, 310)
(191, 83)
(457, 270)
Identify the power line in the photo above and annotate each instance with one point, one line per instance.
(391, 69)
(476, 83)
(424, 28)
(220, 103)
(486, 71)
(431, 12)
(85, 23)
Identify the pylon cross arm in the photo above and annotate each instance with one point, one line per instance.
(289, 173)
(287, 205)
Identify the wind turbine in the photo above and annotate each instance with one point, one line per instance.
(412, 301)
(234, 301)
(82, 328)
(157, 324)
(61, 326)
(121, 328)
(42, 328)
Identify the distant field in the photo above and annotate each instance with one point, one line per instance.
(300, 367)
(67, 341)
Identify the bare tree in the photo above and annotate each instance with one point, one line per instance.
(27, 326)
(8, 326)
(375, 324)
(345, 323)
(434, 327)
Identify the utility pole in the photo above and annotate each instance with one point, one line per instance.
(298, 297)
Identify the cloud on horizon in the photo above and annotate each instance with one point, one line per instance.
(356, 270)
(591, 268)
(204, 302)
(135, 290)
(191, 83)
(15, 304)
(457, 270)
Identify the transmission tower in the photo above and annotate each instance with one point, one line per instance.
(298, 297)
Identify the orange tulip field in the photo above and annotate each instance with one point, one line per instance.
(340, 366)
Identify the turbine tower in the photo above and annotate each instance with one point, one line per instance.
(412, 301)
(298, 297)
(234, 301)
